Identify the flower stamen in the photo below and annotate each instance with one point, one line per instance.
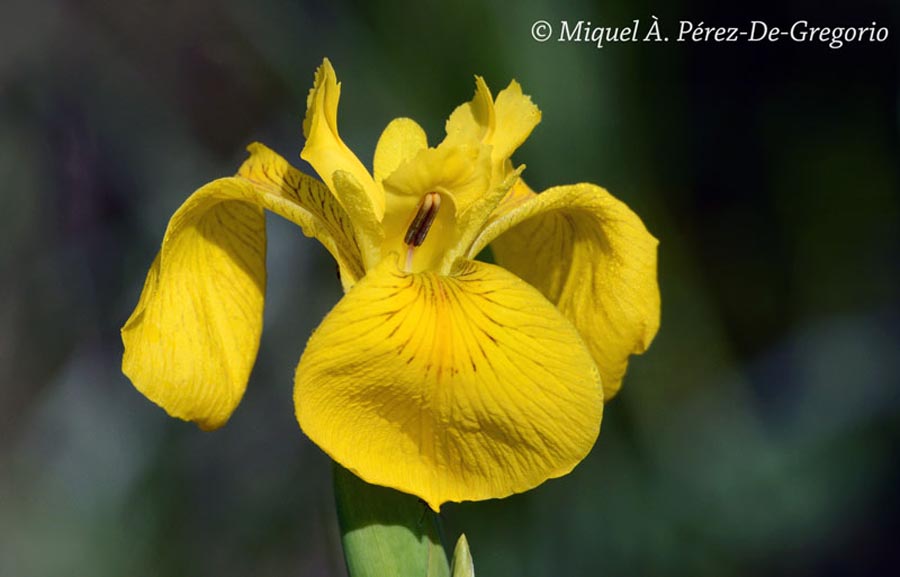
(421, 224)
(427, 212)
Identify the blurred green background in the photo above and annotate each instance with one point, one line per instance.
(759, 434)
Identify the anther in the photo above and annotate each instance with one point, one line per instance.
(421, 223)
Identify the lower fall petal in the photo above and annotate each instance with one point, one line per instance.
(306, 202)
(456, 388)
(192, 339)
(191, 342)
(588, 253)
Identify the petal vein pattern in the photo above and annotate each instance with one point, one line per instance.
(192, 339)
(588, 253)
(451, 388)
(191, 342)
(307, 203)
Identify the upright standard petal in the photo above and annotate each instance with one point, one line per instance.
(324, 149)
(503, 124)
(400, 141)
(472, 121)
(191, 342)
(516, 117)
(588, 253)
(455, 388)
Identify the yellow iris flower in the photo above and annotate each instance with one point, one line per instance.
(435, 374)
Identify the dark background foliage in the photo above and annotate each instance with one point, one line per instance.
(756, 437)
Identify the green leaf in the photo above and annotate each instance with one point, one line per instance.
(386, 533)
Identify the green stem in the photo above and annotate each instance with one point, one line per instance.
(385, 532)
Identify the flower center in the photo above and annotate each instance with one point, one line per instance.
(421, 224)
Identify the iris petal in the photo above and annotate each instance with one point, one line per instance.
(518, 194)
(472, 121)
(503, 124)
(306, 202)
(463, 170)
(588, 253)
(454, 388)
(400, 141)
(461, 174)
(324, 149)
(516, 117)
(191, 342)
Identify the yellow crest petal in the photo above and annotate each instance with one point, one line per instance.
(503, 124)
(473, 121)
(463, 170)
(518, 194)
(472, 222)
(450, 388)
(324, 149)
(590, 254)
(516, 117)
(369, 231)
(460, 174)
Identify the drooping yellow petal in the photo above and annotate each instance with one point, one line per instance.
(307, 203)
(588, 253)
(191, 342)
(455, 388)
(401, 140)
(324, 149)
